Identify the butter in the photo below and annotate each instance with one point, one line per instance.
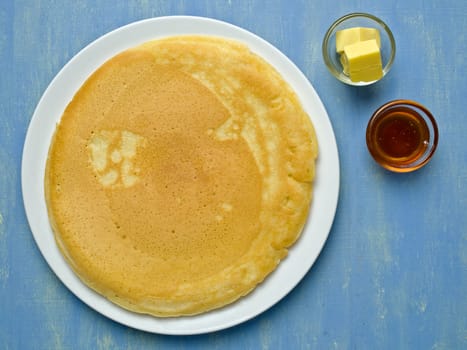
(369, 34)
(354, 35)
(362, 61)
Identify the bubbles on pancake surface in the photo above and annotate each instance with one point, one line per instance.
(107, 147)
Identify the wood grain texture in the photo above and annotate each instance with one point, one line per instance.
(393, 274)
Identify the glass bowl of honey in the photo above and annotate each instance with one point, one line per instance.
(333, 59)
(402, 135)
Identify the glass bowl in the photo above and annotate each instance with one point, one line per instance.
(331, 57)
(402, 136)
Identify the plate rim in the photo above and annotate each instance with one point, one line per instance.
(81, 67)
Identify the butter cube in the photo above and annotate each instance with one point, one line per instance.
(362, 61)
(353, 35)
(344, 64)
(370, 33)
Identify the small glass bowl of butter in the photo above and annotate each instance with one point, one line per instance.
(359, 49)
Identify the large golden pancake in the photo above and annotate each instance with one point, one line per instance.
(179, 175)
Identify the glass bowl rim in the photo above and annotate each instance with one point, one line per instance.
(427, 117)
(342, 19)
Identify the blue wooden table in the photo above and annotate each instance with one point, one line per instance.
(393, 274)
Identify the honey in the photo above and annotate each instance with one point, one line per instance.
(402, 136)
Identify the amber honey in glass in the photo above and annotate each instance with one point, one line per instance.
(402, 135)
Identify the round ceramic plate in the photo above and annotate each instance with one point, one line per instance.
(59, 93)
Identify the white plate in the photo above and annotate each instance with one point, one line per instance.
(59, 93)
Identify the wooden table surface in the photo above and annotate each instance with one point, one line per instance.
(393, 273)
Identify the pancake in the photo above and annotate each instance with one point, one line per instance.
(179, 175)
